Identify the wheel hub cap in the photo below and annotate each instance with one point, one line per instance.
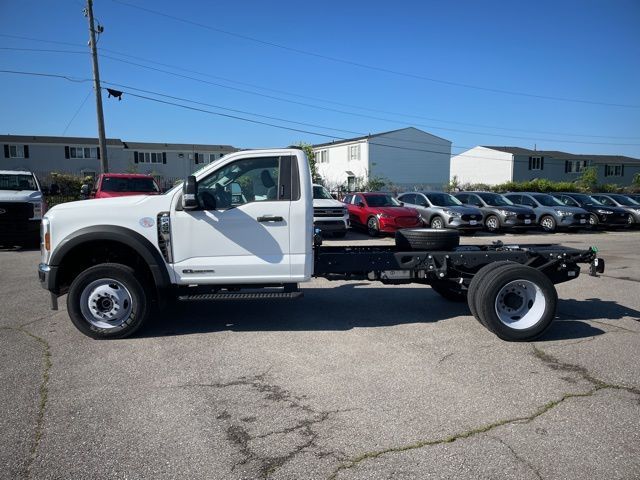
(520, 304)
(106, 303)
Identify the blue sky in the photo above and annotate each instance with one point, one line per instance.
(582, 50)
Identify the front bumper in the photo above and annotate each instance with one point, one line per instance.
(19, 230)
(517, 223)
(460, 224)
(390, 226)
(335, 225)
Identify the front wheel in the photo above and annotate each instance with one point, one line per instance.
(373, 227)
(492, 224)
(107, 301)
(593, 220)
(548, 223)
(437, 223)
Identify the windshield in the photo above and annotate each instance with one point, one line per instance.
(548, 201)
(495, 200)
(586, 199)
(17, 182)
(382, 201)
(626, 201)
(124, 184)
(443, 200)
(321, 193)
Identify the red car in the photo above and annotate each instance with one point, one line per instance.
(124, 184)
(380, 213)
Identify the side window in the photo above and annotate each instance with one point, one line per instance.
(527, 201)
(247, 180)
(569, 201)
(517, 199)
(607, 201)
(474, 200)
(347, 199)
(358, 199)
(463, 197)
(408, 198)
(420, 200)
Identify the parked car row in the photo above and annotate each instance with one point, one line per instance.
(470, 212)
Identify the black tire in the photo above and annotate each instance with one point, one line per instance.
(449, 290)
(138, 308)
(517, 303)
(492, 224)
(478, 279)
(548, 223)
(427, 239)
(340, 234)
(437, 223)
(373, 227)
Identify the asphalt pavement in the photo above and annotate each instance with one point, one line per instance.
(355, 380)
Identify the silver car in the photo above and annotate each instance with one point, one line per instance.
(552, 213)
(441, 210)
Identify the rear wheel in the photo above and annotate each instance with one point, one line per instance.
(107, 301)
(478, 279)
(492, 223)
(516, 302)
(548, 223)
(373, 227)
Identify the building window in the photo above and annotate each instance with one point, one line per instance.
(212, 157)
(83, 152)
(149, 157)
(536, 163)
(354, 152)
(575, 166)
(89, 173)
(614, 170)
(16, 151)
(322, 156)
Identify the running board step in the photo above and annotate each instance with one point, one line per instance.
(238, 296)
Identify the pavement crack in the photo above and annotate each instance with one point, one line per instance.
(448, 355)
(522, 460)
(546, 358)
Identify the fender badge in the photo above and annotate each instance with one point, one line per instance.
(146, 222)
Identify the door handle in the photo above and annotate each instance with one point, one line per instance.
(270, 218)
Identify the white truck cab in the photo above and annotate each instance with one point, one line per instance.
(329, 215)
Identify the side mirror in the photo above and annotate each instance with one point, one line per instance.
(402, 204)
(361, 204)
(189, 190)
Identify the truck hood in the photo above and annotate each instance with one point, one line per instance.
(102, 204)
(20, 196)
(326, 203)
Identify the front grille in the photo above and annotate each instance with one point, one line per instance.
(15, 211)
(467, 217)
(525, 216)
(579, 216)
(328, 222)
(327, 212)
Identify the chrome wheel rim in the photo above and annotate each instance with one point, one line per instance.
(593, 220)
(547, 223)
(492, 223)
(437, 223)
(630, 220)
(371, 224)
(520, 304)
(106, 303)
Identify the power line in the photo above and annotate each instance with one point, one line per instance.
(282, 127)
(313, 98)
(76, 113)
(373, 67)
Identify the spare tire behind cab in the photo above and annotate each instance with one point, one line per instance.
(427, 239)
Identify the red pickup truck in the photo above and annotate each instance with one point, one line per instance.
(124, 184)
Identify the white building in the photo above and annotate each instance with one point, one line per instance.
(496, 165)
(409, 158)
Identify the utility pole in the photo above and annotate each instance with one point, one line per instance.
(104, 163)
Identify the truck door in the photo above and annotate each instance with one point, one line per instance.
(240, 232)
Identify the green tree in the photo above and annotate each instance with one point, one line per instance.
(588, 179)
(453, 185)
(311, 158)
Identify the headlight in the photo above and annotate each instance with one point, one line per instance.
(45, 240)
(384, 215)
(604, 212)
(39, 209)
(563, 213)
(506, 213)
(451, 213)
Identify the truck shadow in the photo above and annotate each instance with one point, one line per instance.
(348, 306)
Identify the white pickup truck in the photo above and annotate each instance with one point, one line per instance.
(242, 228)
